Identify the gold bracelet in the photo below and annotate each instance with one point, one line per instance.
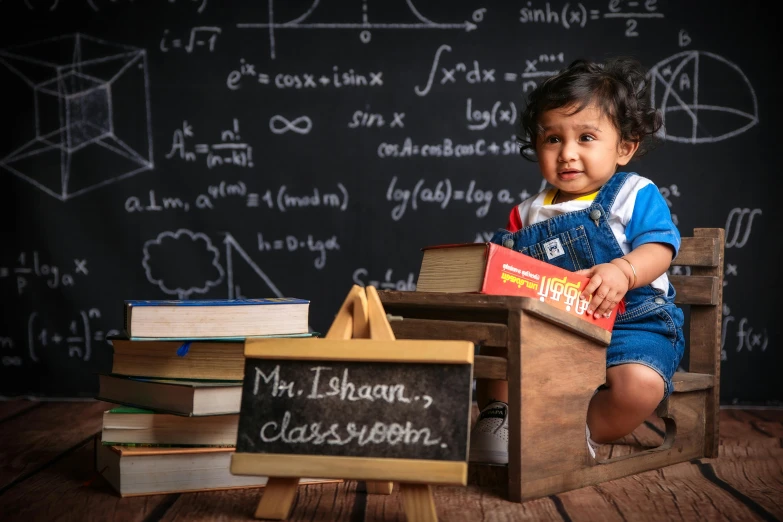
(633, 269)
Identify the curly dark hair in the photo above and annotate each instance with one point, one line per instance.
(618, 88)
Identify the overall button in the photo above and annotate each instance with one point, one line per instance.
(659, 300)
(508, 243)
(595, 214)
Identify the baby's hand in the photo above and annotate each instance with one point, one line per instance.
(608, 285)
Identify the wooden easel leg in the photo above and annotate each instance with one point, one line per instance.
(418, 502)
(277, 498)
(342, 327)
(369, 320)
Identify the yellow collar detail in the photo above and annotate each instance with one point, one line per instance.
(551, 193)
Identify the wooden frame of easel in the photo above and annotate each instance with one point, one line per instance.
(362, 320)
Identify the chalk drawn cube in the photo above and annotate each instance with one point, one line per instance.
(79, 101)
(88, 120)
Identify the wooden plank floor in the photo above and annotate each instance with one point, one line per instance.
(47, 473)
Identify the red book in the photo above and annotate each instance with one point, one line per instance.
(488, 268)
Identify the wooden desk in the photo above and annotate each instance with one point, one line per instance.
(47, 473)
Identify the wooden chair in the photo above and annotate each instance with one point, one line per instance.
(555, 361)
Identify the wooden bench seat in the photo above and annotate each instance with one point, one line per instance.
(488, 367)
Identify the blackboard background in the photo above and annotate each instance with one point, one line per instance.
(52, 339)
(446, 416)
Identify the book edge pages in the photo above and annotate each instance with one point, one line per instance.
(170, 371)
(177, 383)
(223, 395)
(201, 322)
(185, 393)
(452, 245)
(125, 451)
(109, 461)
(490, 257)
(165, 429)
(302, 482)
(436, 285)
(262, 301)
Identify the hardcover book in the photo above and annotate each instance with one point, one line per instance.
(201, 318)
(178, 397)
(134, 426)
(219, 358)
(153, 471)
(488, 268)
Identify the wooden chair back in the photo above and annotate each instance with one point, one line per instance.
(697, 276)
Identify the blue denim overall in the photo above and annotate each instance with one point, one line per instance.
(649, 332)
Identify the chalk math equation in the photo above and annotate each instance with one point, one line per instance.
(29, 268)
(292, 243)
(739, 335)
(361, 276)
(77, 338)
(442, 193)
(416, 21)
(575, 15)
(202, 36)
(97, 5)
(229, 150)
(281, 199)
(447, 148)
(246, 74)
(445, 70)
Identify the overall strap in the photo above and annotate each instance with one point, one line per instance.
(608, 193)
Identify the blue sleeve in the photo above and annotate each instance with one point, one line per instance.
(651, 221)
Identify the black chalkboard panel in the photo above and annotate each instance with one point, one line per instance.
(209, 149)
(355, 409)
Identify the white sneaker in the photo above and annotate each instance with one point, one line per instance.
(489, 437)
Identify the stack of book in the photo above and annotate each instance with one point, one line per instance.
(177, 380)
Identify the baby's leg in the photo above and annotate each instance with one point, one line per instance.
(631, 394)
(489, 437)
(491, 390)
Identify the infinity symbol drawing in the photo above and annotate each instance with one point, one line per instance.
(300, 125)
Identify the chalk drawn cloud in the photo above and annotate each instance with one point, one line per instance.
(171, 260)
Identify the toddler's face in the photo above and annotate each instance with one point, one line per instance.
(578, 153)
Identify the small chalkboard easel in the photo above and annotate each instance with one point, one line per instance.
(361, 318)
